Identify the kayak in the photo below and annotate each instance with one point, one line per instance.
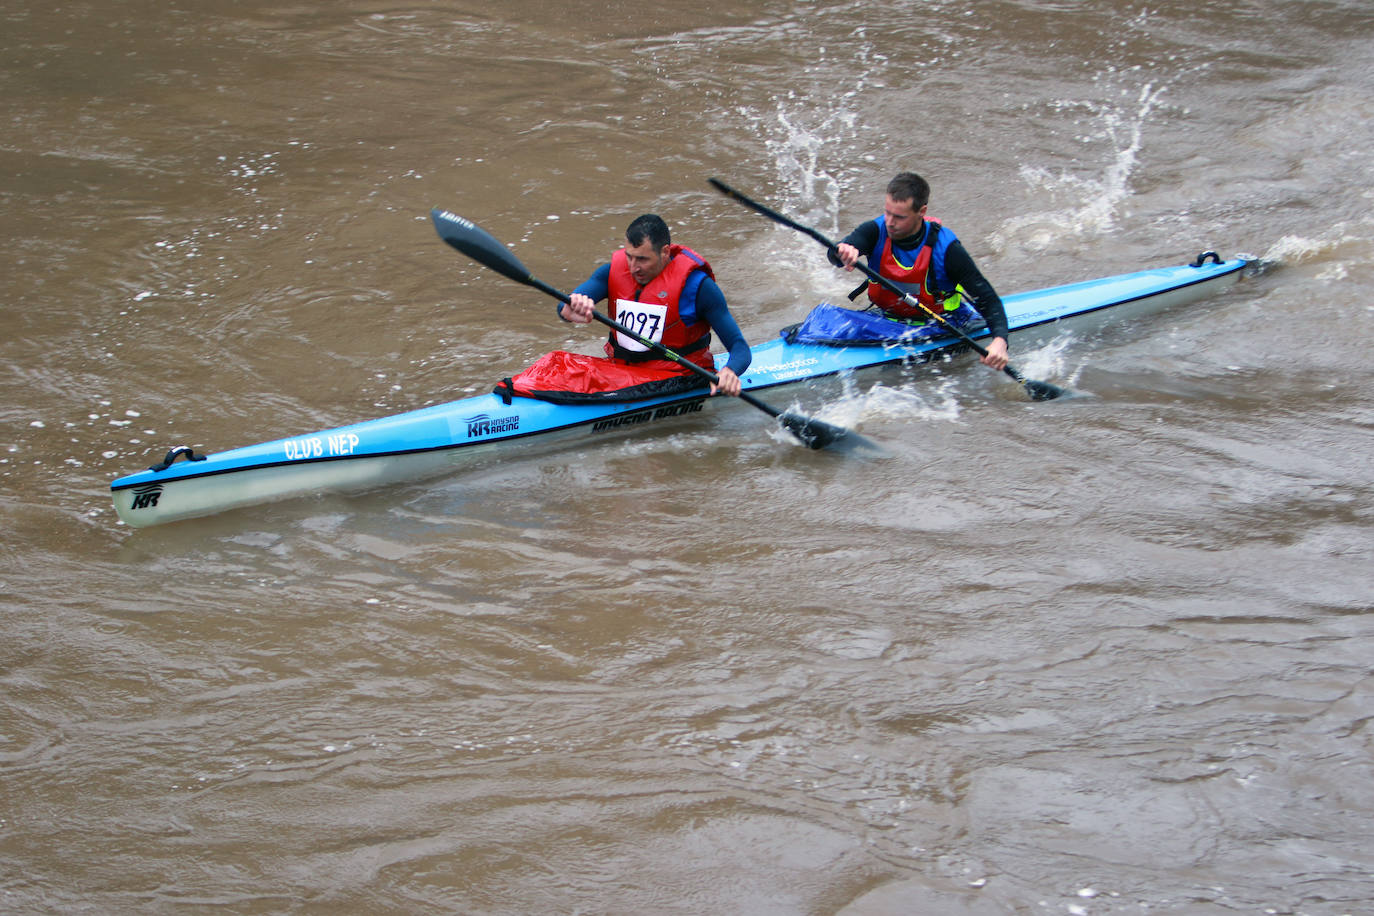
(436, 440)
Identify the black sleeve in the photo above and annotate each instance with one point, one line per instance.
(864, 238)
(963, 272)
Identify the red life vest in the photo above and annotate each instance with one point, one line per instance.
(661, 321)
(914, 278)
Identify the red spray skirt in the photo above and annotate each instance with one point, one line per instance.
(572, 378)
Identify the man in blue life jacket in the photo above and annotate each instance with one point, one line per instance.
(925, 259)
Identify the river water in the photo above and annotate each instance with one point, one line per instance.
(1110, 654)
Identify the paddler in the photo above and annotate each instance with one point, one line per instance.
(664, 292)
(925, 258)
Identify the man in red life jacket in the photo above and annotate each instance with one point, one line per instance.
(927, 260)
(668, 294)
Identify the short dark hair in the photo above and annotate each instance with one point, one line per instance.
(909, 186)
(649, 226)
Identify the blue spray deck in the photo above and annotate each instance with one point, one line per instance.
(435, 439)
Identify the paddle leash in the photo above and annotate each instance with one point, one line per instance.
(475, 242)
(1038, 391)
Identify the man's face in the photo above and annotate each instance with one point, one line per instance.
(902, 220)
(646, 262)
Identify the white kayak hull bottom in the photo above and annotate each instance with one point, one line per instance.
(160, 501)
(194, 497)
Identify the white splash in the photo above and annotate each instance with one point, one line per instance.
(1094, 202)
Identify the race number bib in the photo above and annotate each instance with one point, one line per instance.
(644, 318)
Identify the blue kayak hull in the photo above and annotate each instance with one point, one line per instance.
(435, 440)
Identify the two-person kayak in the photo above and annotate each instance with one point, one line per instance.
(435, 440)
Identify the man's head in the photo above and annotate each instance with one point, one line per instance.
(647, 241)
(905, 205)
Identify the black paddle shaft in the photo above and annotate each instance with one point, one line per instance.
(1039, 391)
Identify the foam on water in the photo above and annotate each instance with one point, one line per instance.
(857, 406)
(1336, 250)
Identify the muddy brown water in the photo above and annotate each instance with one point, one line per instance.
(1105, 655)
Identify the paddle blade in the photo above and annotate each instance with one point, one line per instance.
(478, 244)
(813, 433)
(1042, 391)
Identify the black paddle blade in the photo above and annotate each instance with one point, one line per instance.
(1042, 391)
(478, 244)
(813, 433)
